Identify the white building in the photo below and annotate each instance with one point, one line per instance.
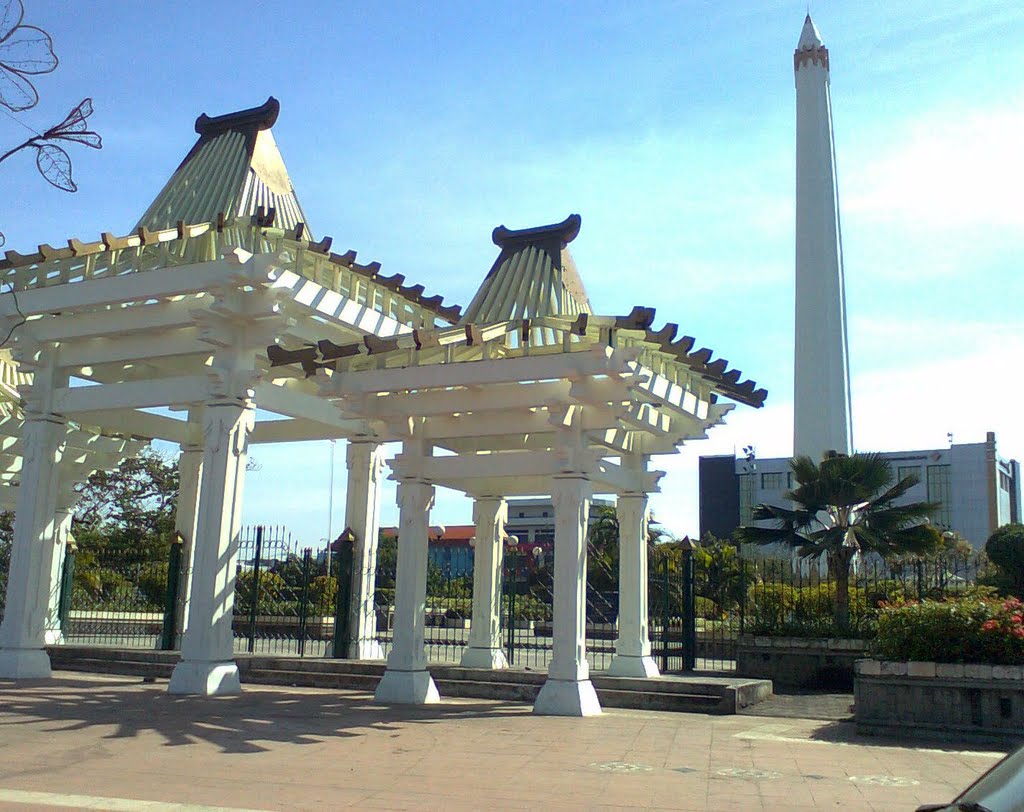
(977, 489)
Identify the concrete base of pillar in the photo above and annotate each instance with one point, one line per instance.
(24, 663)
(493, 658)
(366, 650)
(205, 679)
(567, 698)
(53, 637)
(623, 666)
(406, 688)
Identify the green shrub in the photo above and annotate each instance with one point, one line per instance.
(153, 585)
(955, 630)
(708, 609)
(783, 610)
(322, 596)
(528, 607)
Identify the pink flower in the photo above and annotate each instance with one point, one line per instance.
(989, 625)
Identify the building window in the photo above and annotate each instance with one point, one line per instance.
(940, 490)
(776, 481)
(908, 470)
(1004, 481)
(544, 514)
(747, 488)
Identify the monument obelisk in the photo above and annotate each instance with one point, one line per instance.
(822, 373)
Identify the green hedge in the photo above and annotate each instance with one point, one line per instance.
(956, 630)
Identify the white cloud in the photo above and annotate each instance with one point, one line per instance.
(952, 168)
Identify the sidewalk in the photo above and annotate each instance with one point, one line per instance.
(272, 748)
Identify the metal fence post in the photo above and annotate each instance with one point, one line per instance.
(665, 616)
(255, 599)
(513, 588)
(689, 608)
(344, 558)
(67, 580)
(171, 595)
(307, 561)
(743, 594)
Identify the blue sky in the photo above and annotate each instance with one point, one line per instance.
(669, 126)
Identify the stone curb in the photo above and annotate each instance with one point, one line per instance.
(925, 670)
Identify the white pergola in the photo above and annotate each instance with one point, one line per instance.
(219, 322)
(529, 394)
(163, 334)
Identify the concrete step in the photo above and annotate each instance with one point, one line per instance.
(70, 653)
(488, 689)
(311, 679)
(678, 702)
(457, 674)
(133, 668)
(671, 693)
(312, 665)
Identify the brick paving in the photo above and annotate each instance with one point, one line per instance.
(116, 743)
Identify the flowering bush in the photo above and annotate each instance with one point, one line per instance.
(955, 630)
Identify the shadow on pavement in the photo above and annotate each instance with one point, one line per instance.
(845, 732)
(247, 723)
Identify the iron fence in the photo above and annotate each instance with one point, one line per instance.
(701, 600)
(796, 598)
(284, 598)
(115, 594)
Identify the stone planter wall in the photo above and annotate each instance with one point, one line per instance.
(799, 662)
(921, 699)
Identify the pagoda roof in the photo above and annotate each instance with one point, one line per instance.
(534, 276)
(145, 250)
(657, 349)
(234, 169)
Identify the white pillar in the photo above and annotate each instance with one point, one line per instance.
(54, 635)
(207, 664)
(484, 649)
(23, 631)
(822, 419)
(365, 462)
(190, 471)
(633, 648)
(568, 690)
(406, 679)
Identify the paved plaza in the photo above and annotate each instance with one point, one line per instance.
(103, 742)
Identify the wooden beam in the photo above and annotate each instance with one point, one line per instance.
(291, 402)
(174, 391)
(291, 431)
(463, 400)
(148, 425)
(562, 365)
(162, 283)
(119, 321)
(122, 349)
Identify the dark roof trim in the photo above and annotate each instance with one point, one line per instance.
(255, 118)
(566, 231)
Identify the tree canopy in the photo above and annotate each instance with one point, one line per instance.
(841, 506)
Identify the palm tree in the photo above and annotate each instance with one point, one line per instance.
(845, 505)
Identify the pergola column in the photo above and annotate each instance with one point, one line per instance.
(54, 635)
(190, 471)
(633, 647)
(207, 664)
(406, 679)
(568, 690)
(365, 462)
(484, 649)
(23, 631)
